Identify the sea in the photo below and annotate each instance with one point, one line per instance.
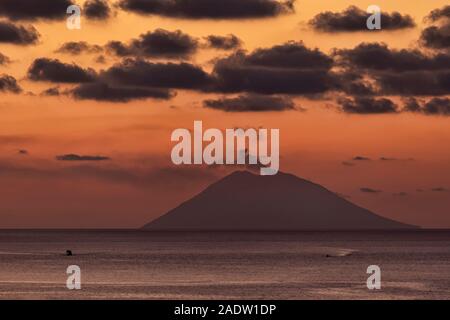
(135, 264)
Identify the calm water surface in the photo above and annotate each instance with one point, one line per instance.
(265, 265)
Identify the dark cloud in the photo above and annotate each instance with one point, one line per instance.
(100, 59)
(369, 190)
(53, 70)
(97, 9)
(228, 42)
(438, 14)
(412, 105)
(51, 92)
(234, 78)
(361, 158)
(352, 82)
(385, 71)
(9, 84)
(4, 60)
(34, 9)
(355, 19)
(251, 102)
(419, 83)
(290, 68)
(131, 72)
(436, 37)
(395, 159)
(201, 9)
(362, 105)
(159, 43)
(370, 69)
(105, 92)
(288, 55)
(17, 34)
(435, 106)
(377, 56)
(76, 48)
(387, 159)
(348, 164)
(76, 157)
(118, 48)
(439, 189)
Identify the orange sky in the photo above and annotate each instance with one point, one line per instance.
(36, 191)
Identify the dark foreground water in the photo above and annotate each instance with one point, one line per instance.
(148, 265)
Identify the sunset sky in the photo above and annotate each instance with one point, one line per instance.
(364, 113)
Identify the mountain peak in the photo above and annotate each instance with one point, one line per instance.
(247, 201)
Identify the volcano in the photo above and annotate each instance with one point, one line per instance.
(243, 201)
